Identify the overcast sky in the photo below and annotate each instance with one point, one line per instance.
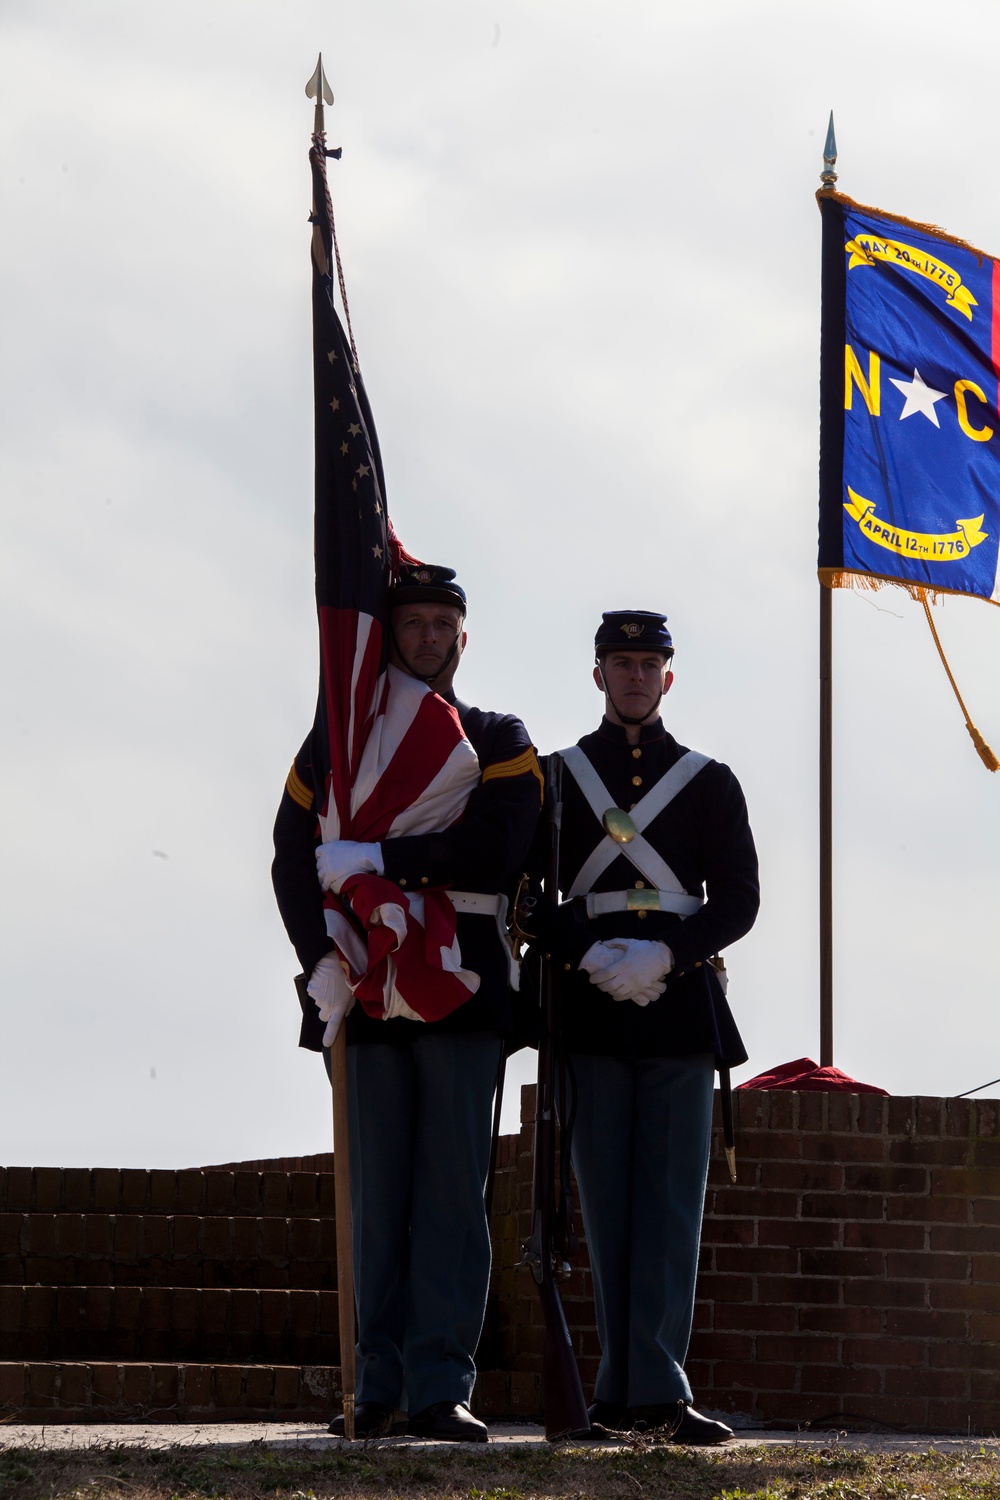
(582, 254)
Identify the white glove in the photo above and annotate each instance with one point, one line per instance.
(637, 970)
(333, 995)
(598, 956)
(340, 858)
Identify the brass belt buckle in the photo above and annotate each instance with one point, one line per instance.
(644, 900)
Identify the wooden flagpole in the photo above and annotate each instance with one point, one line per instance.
(342, 1210)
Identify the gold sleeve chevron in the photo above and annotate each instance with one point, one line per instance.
(520, 765)
(297, 789)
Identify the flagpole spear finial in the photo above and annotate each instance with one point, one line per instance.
(318, 88)
(828, 176)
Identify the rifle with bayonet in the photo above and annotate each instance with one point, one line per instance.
(545, 1249)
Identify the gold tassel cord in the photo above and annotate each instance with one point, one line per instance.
(986, 755)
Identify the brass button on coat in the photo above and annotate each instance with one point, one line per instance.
(637, 781)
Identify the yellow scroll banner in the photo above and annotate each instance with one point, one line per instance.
(948, 547)
(866, 249)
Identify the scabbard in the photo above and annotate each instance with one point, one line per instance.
(728, 1132)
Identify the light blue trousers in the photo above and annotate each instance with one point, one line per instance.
(640, 1152)
(420, 1121)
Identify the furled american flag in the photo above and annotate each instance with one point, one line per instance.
(394, 757)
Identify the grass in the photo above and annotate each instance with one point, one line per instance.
(641, 1472)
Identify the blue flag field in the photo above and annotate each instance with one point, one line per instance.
(910, 426)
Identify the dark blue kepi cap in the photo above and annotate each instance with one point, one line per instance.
(633, 630)
(427, 583)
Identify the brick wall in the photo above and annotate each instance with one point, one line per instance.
(852, 1274)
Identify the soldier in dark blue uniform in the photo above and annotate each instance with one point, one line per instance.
(420, 1092)
(648, 899)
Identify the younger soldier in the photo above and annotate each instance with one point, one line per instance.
(419, 1091)
(648, 899)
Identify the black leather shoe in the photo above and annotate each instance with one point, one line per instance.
(372, 1419)
(449, 1423)
(699, 1431)
(661, 1418)
(607, 1417)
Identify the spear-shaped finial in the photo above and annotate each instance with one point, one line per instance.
(318, 88)
(828, 176)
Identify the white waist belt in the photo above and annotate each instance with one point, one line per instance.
(600, 903)
(477, 904)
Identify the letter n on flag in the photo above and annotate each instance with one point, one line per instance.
(910, 425)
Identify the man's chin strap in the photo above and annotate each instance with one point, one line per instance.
(421, 677)
(629, 718)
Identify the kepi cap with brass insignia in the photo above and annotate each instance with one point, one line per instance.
(427, 583)
(633, 630)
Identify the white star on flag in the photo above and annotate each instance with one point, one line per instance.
(919, 397)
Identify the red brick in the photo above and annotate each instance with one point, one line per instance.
(244, 1238)
(921, 1322)
(12, 1386)
(126, 1308)
(756, 1203)
(163, 1191)
(166, 1385)
(725, 1288)
(885, 1351)
(303, 1314)
(218, 1193)
(812, 1112)
(812, 1232)
(756, 1146)
(97, 1303)
(229, 1386)
(185, 1306)
(39, 1308)
(74, 1386)
(190, 1187)
(126, 1236)
(933, 1209)
(184, 1236)
(798, 1289)
(303, 1238)
(40, 1236)
(798, 1349)
(984, 1386)
(901, 1116)
(985, 1154)
(842, 1382)
(803, 1177)
(951, 1384)
(274, 1239)
(885, 1293)
(859, 1320)
(897, 1411)
(245, 1310)
(260, 1387)
(273, 1311)
(709, 1345)
(869, 1178)
(967, 1182)
(41, 1384)
(134, 1190)
(875, 1235)
(978, 1418)
(985, 1268)
(155, 1235)
(958, 1116)
(952, 1294)
(328, 1316)
(69, 1307)
(842, 1262)
(217, 1237)
(985, 1211)
(155, 1310)
(105, 1383)
(957, 1354)
(781, 1109)
(197, 1384)
(246, 1192)
(729, 1231)
(927, 1267)
(928, 1112)
(11, 1226)
(771, 1319)
(987, 1117)
(97, 1234)
(286, 1386)
(274, 1192)
(755, 1375)
(76, 1189)
(928, 1152)
(843, 1206)
(302, 1193)
(863, 1148)
(842, 1111)
(17, 1189)
(47, 1194)
(790, 1408)
(757, 1258)
(872, 1114)
(525, 1394)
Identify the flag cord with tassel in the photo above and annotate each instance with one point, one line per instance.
(986, 755)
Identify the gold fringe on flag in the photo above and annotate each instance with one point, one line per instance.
(986, 755)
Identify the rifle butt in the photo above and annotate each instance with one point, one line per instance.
(562, 1391)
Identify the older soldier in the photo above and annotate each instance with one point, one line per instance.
(420, 1092)
(658, 872)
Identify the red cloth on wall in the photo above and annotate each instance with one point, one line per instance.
(805, 1075)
